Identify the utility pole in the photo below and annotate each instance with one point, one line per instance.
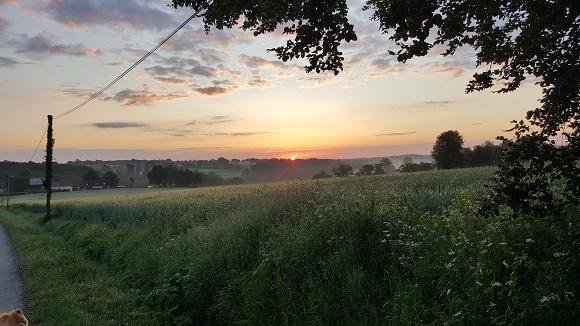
(48, 171)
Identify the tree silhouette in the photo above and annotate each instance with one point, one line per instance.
(366, 169)
(387, 165)
(342, 170)
(111, 179)
(91, 175)
(447, 150)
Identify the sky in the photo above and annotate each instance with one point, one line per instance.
(203, 96)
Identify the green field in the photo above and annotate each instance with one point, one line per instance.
(400, 249)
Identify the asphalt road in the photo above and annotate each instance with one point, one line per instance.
(11, 289)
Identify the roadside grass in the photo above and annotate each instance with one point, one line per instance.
(395, 249)
(62, 286)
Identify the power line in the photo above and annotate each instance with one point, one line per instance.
(97, 94)
(109, 85)
(38, 145)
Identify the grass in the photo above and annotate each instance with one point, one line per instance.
(394, 249)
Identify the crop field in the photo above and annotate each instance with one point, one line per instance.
(398, 249)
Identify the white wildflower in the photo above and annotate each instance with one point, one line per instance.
(560, 254)
(496, 284)
(550, 297)
(505, 264)
(530, 240)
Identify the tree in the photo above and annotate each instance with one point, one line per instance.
(91, 175)
(111, 179)
(379, 169)
(342, 170)
(366, 169)
(387, 165)
(416, 167)
(321, 175)
(481, 155)
(157, 176)
(512, 41)
(447, 150)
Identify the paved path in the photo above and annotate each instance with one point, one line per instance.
(11, 294)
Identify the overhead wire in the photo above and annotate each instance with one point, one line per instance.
(123, 74)
(128, 70)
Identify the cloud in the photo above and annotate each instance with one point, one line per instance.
(43, 45)
(220, 119)
(118, 125)
(215, 90)
(254, 62)
(257, 81)
(396, 134)
(144, 97)
(8, 62)
(170, 80)
(110, 13)
(193, 39)
(438, 103)
(241, 134)
(203, 148)
(477, 123)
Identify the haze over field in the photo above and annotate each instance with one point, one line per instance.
(204, 96)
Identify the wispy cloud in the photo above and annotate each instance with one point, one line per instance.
(127, 13)
(8, 62)
(44, 44)
(241, 134)
(144, 97)
(437, 103)
(215, 90)
(396, 134)
(118, 125)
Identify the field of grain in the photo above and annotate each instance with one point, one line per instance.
(396, 249)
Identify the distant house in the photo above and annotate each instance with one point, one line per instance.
(35, 184)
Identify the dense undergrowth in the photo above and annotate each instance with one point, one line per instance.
(395, 249)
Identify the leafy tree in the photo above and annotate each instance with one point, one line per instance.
(512, 41)
(407, 160)
(111, 179)
(91, 175)
(342, 170)
(447, 150)
(157, 176)
(481, 155)
(366, 169)
(379, 169)
(321, 175)
(387, 165)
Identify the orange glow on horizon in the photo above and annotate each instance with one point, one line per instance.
(292, 158)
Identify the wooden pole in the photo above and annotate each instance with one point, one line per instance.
(7, 191)
(48, 166)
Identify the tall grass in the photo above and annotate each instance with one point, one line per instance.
(395, 249)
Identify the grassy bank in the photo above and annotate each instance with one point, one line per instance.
(395, 249)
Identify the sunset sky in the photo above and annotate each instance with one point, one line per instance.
(204, 96)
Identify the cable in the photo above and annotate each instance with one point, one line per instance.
(38, 145)
(97, 94)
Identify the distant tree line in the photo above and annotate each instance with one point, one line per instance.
(172, 176)
(449, 153)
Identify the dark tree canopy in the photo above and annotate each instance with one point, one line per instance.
(318, 27)
(342, 170)
(91, 175)
(111, 179)
(447, 151)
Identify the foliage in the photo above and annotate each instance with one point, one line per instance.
(111, 179)
(366, 169)
(447, 150)
(321, 175)
(318, 27)
(416, 167)
(480, 155)
(387, 164)
(392, 249)
(179, 177)
(91, 175)
(342, 170)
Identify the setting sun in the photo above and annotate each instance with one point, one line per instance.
(292, 158)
